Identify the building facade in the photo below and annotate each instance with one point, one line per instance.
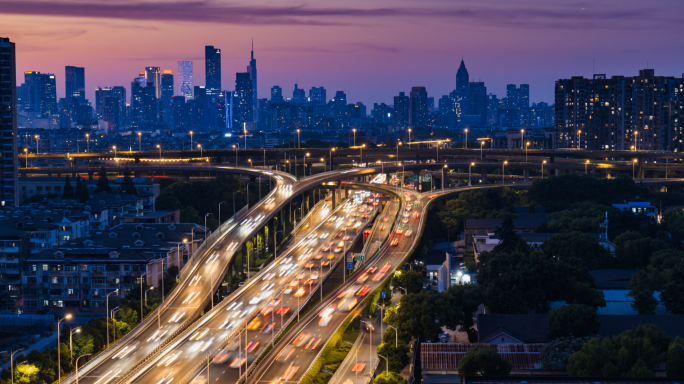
(8, 124)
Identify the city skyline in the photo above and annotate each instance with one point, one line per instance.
(347, 52)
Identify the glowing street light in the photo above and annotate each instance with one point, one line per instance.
(159, 146)
(503, 174)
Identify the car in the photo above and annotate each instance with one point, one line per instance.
(363, 291)
(287, 291)
(252, 346)
(254, 324)
(318, 256)
(394, 241)
(408, 233)
(339, 234)
(385, 219)
(289, 372)
(330, 242)
(372, 269)
(300, 292)
(404, 221)
(325, 249)
(238, 361)
(362, 278)
(340, 244)
(338, 250)
(400, 231)
(314, 276)
(325, 263)
(221, 357)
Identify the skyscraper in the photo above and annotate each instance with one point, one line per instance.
(185, 79)
(298, 95)
(462, 79)
(43, 93)
(166, 84)
(143, 102)
(74, 79)
(402, 110)
(243, 110)
(212, 63)
(118, 92)
(9, 189)
(518, 97)
(317, 96)
(478, 101)
(419, 107)
(153, 75)
(252, 70)
(276, 93)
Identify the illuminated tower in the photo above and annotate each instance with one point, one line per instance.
(185, 79)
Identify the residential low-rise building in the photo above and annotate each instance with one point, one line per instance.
(30, 186)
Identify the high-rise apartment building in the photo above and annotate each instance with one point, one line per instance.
(298, 95)
(478, 101)
(212, 64)
(276, 93)
(166, 84)
(419, 107)
(185, 79)
(317, 96)
(43, 93)
(114, 116)
(143, 102)
(74, 79)
(642, 112)
(402, 110)
(153, 76)
(252, 70)
(243, 110)
(9, 188)
(518, 97)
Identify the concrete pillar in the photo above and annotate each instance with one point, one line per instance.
(334, 197)
(526, 172)
(417, 185)
(484, 175)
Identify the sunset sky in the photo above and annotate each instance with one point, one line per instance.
(370, 49)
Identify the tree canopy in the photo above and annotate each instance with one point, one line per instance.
(573, 320)
(483, 360)
(68, 190)
(103, 182)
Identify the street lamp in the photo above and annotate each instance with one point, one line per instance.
(26, 153)
(331, 158)
(236, 149)
(370, 352)
(469, 167)
(191, 140)
(307, 155)
(147, 290)
(633, 164)
(636, 141)
(59, 360)
(503, 174)
(12, 361)
(37, 144)
(398, 144)
(579, 138)
(139, 141)
(250, 162)
(362, 147)
(275, 245)
(354, 130)
(201, 150)
(481, 146)
(114, 311)
(71, 340)
(245, 138)
(159, 146)
(386, 362)
(115, 151)
(396, 338)
(107, 299)
(543, 162)
(299, 143)
(87, 354)
(585, 166)
(356, 357)
(219, 207)
(465, 142)
(522, 137)
(87, 142)
(527, 146)
(409, 132)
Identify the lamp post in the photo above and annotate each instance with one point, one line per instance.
(201, 150)
(37, 144)
(503, 174)
(481, 146)
(585, 166)
(305, 156)
(26, 153)
(59, 360)
(469, 168)
(543, 162)
(191, 140)
(522, 137)
(438, 144)
(245, 138)
(465, 142)
(247, 193)
(636, 141)
(354, 130)
(12, 359)
(107, 299)
(71, 340)
(579, 138)
(299, 143)
(236, 149)
(114, 311)
(87, 354)
(139, 141)
(323, 161)
(396, 338)
(87, 142)
(250, 162)
(147, 290)
(219, 207)
(361, 158)
(370, 352)
(633, 164)
(178, 253)
(115, 151)
(398, 144)
(331, 158)
(409, 132)
(386, 363)
(159, 146)
(527, 146)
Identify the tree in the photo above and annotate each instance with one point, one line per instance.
(573, 320)
(81, 190)
(468, 297)
(578, 249)
(675, 358)
(68, 192)
(103, 182)
(509, 241)
(485, 361)
(412, 281)
(83, 344)
(190, 215)
(398, 355)
(26, 373)
(419, 314)
(554, 355)
(635, 251)
(664, 274)
(167, 201)
(585, 294)
(631, 353)
(388, 378)
(127, 185)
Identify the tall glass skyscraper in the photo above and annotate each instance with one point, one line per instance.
(185, 79)
(153, 75)
(212, 63)
(74, 79)
(9, 189)
(252, 70)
